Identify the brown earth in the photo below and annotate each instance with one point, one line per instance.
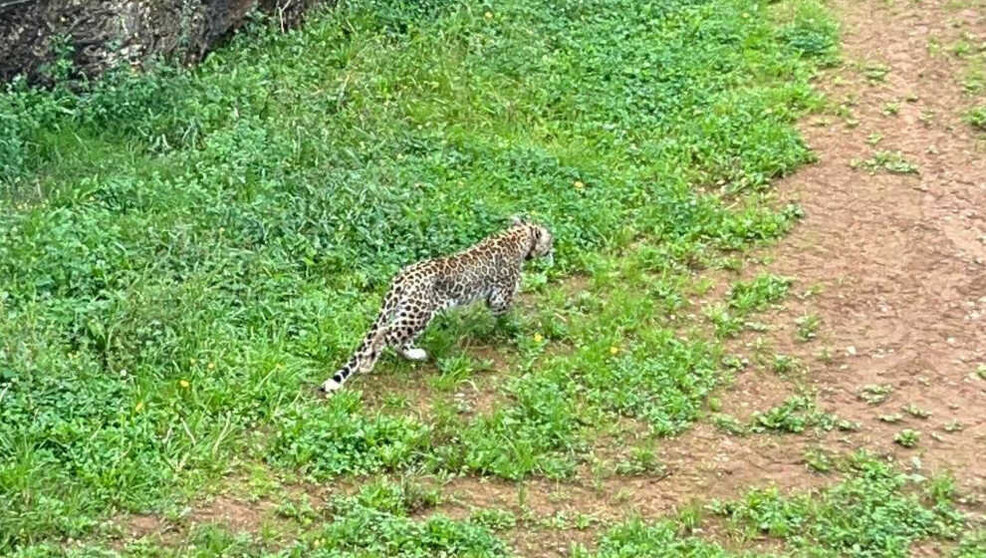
(901, 259)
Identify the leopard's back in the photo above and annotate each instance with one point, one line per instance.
(465, 277)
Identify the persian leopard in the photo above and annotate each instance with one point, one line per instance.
(488, 271)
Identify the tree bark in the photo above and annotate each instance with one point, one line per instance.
(100, 34)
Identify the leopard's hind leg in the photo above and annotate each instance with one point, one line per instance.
(409, 323)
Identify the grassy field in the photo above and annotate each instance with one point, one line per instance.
(184, 255)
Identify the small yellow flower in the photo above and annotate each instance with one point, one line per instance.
(183, 383)
(211, 365)
(538, 338)
(139, 407)
(579, 185)
(193, 361)
(488, 15)
(614, 350)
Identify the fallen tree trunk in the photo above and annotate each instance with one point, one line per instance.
(99, 34)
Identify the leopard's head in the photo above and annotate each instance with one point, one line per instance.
(541, 240)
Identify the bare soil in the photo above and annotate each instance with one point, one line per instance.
(901, 259)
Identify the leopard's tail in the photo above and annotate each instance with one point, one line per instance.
(365, 356)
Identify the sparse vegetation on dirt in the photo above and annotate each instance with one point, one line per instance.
(977, 117)
(889, 161)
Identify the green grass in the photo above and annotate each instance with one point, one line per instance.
(807, 327)
(875, 394)
(795, 415)
(376, 522)
(876, 511)
(184, 255)
(972, 545)
(908, 438)
(758, 293)
(744, 298)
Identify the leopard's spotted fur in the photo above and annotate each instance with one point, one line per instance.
(488, 271)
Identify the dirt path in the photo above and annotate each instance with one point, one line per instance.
(901, 258)
(898, 260)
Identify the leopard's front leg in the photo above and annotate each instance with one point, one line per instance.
(502, 296)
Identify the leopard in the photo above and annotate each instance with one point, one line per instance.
(488, 271)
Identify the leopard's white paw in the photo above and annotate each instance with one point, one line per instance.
(416, 354)
(330, 386)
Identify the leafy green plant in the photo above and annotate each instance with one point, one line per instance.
(785, 364)
(876, 71)
(873, 512)
(636, 538)
(730, 424)
(819, 460)
(337, 439)
(726, 324)
(795, 415)
(976, 117)
(394, 531)
(497, 520)
(813, 37)
(758, 293)
(907, 438)
(642, 460)
(953, 426)
(874, 394)
(916, 412)
(807, 327)
(972, 545)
